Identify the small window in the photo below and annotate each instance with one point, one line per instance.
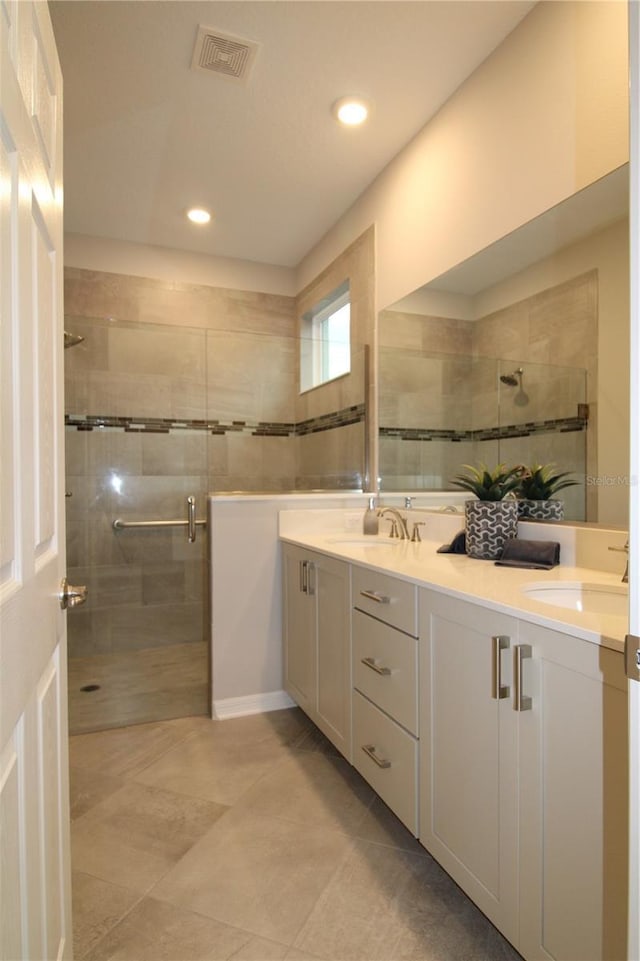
(325, 344)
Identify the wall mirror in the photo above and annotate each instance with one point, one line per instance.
(518, 355)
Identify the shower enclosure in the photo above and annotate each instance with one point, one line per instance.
(439, 411)
(157, 415)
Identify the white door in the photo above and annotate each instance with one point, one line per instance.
(34, 807)
(634, 518)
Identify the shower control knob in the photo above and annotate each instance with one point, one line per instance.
(71, 596)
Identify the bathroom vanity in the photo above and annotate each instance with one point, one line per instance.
(493, 724)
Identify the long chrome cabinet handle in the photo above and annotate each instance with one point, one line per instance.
(191, 519)
(370, 751)
(369, 662)
(520, 701)
(499, 642)
(374, 596)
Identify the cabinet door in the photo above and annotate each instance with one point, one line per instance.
(331, 584)
(468, 753)
(573, 808)
(299, 629)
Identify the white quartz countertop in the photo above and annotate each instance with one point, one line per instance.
(497, 588)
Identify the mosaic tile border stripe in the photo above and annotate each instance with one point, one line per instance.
(164, 425)
(561, 425)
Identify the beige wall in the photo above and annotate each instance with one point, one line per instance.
(544, 116)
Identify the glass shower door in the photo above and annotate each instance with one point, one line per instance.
(136, 450)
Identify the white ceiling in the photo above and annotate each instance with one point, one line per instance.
(146, 137)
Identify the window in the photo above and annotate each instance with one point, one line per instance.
(325, 344)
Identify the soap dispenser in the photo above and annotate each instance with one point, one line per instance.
(370, 519)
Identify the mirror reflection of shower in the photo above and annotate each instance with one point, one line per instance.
(514, 379)
(70, 340)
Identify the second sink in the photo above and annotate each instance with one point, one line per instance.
(581, 596)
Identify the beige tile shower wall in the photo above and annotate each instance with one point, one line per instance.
(93, 293)
(424, 392)
(242, 462)
(415, 391)
(407, 465)
(331, 459)
(558, 327)
(227, 355)
(134, 370)
(356, 264)
(250, 376)
(442, 335)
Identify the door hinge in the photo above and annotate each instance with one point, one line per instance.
(632, 657)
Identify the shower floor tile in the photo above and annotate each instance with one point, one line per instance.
(133, 687)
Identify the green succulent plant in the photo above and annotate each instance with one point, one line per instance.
(489, 485)
(540, 483)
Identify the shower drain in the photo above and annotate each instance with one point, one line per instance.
(88, 688)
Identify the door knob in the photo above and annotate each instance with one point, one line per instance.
(71, 596)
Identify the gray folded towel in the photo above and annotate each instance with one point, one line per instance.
(457, 546)
(536, 555)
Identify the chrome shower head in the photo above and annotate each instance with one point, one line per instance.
(70, 340)
(513, 379)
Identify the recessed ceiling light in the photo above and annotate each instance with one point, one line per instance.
(198, 215)
(351, 111)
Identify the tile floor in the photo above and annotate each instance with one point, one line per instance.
(251, 839)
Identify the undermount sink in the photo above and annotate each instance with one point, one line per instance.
(580, 596)
(371, 540)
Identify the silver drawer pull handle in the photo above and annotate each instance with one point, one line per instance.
(370, 751)
(500, 642)
(370, 662)
(521, 701)
(374, 596)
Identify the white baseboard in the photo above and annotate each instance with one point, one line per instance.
(251, 704)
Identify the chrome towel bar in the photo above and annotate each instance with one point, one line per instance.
(119, 525)
(190, 523)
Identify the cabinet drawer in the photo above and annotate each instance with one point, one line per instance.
(387, 598)
(385, 668)
(392, 770)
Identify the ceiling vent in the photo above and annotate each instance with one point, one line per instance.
(221, 53)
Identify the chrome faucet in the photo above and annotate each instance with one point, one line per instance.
(398, 524)
(624, 550)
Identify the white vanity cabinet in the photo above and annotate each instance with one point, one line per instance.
(317, 659)
(468, 752)
(523, 776)
(385, 695)
(572, 799)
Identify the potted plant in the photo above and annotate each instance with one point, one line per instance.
(491, 519)
(535, 492)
